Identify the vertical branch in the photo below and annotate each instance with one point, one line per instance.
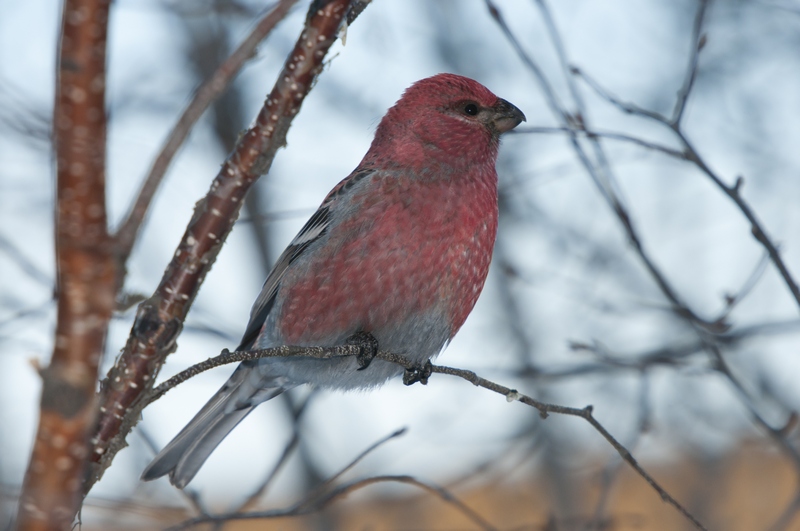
(160, 318)
(86, 268)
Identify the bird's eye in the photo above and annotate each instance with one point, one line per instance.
(470, 109)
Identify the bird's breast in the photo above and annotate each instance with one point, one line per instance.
(410, 259)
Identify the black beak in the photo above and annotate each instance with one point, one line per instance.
(506, 116)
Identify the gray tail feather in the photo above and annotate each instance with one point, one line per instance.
(186, 453)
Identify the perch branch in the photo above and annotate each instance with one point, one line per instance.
(511, 395)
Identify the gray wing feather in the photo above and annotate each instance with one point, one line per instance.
(187, 452)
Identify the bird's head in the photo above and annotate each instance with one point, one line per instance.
(446, 116)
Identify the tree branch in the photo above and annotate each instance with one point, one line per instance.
(732, 191)
(160, 318)
(698, 41)
(599, 171)
(206, 94)
(511, 395)
(86, 274)
(316, 504)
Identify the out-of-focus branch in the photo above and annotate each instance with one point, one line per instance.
(698, 41)
(86, 274)
(314, 501)
(598, 169)
(311, 506)
(611, 135)
(545, 409)
(584, 413)
(27, 266)
(252, 499)
(160, 318)
(691, 154)
(776, 434)
(206, 94)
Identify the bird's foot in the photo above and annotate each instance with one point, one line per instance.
(368, 348)
(418, 374)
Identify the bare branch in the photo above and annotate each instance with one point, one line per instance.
(624, 106)
(600, 171)
(227, 357)
(86, 274)
(311, 506)
(550, 95)
(776, 434)
(733, 192)
(259, 491)
(511, 395)
(584, 413)
(756, 228)
(159, 319)
(611, 135)
(698, 41)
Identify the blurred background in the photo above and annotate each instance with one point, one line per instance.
(687, 344)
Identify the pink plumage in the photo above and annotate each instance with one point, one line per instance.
(400, 250)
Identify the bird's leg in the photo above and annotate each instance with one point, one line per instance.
(418, 374)
(368, 348)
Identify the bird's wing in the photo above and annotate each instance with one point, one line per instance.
(314, 229)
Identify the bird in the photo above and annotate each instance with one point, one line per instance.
(398, 252)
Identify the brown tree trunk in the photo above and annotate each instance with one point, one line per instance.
(86, 274)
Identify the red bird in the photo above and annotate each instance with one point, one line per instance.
(399, 250)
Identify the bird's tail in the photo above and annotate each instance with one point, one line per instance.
(186, 453)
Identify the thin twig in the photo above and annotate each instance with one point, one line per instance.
(756, 228)
(551, 98)
(584, 413)
(511, 395)
(612, 469)
(601, 174)
(698, 41)
(259, 491)
(611, 135)
(732, 191)
(374, 446)
(311, 506)
(778, 435)
(227, 357)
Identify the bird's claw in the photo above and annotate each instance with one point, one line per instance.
(418, 374)
(368, 348)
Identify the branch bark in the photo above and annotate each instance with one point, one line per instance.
(160, 319)
(86, 274)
